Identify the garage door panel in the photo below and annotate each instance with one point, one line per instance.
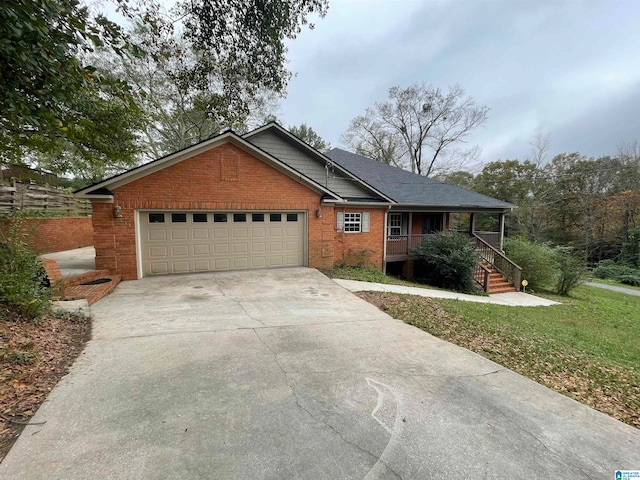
(221, 264)
(292, 260)
(240, 233)
(202, 265)
(180, 267)
(179, 234)
(240, 247)
(159, 268)
(200, 233)
(240, 263)
(221, 248)
(160, 235)
(275, 246)
(158, 251)
(292, 246)
(258, 247)
(263, 240)
(276, 260)
(180, 250)
(201, 250)
(258, 262)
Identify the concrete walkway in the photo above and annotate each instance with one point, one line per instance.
(283, 374)
(512, 299)
(74, 262)
(628, 291)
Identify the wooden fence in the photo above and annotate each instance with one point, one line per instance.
(16, 197)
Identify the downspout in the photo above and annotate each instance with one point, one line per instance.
(384, 241)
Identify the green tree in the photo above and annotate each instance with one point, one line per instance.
(309, 136)
(50, 98)
(417, 125)
(460, 179)
(178, 113)
(523, 184)
(224, 54)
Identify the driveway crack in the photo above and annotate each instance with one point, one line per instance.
(313, 417)
(242, 307)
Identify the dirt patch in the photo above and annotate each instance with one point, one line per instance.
(33, 358)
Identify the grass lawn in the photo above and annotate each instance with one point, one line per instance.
(376, 276)
(588, 348)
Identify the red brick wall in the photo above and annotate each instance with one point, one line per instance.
(224, 178)
(47, 235)
(416, 228)
(348, 245)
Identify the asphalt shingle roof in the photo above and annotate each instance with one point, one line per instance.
(409, 188)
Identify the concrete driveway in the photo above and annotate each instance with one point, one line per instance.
(282, 374)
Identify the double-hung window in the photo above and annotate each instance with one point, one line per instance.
(353, 222)
(394, 224)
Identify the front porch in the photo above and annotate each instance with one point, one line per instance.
(495, 273)
(406, 230)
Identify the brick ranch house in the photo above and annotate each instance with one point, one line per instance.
(267, 199)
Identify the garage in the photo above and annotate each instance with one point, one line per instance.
(200, 241)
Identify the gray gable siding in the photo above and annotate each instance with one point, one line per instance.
(313, 168)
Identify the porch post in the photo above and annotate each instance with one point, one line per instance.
(409, 229)
(501, 221)
(472, 223)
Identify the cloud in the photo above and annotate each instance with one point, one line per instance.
(562, 68)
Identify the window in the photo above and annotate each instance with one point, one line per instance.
(352, 222)
(220, 217)
(292, 217)
(257, 217)
(156, 218)
(199, 218)
(275, 217)
(239, 217)
(394, 224)
(178, 218)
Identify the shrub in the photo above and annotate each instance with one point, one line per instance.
(538, 261)
(630, 253)
(610, 270)
(450, 259)
(571, 270)
(23, 281)
(633, 280)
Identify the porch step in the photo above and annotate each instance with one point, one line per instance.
(497, 282)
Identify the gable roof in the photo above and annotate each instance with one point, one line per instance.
(102, 189)
(274, 126)
(410, 189)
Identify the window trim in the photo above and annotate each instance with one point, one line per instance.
(362, 222)
(393, 216)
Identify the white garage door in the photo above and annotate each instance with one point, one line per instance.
(182, 242)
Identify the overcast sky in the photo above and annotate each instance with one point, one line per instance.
(568, 68)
